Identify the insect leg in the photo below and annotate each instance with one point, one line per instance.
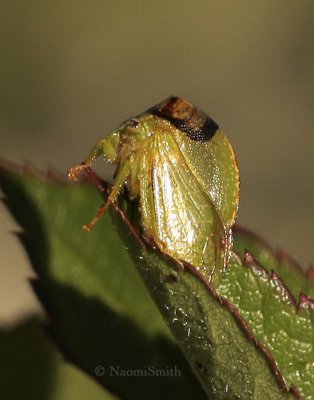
(102, 186)
(105, 146)
(123, 174)
(103, 190)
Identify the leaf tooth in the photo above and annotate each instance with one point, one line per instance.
(19, 234)
(6, 165)
(34, 280)
(280, 255)
(248, 258)
(28, 169)
(22, 238)
(258, 270)
(282, 290)
(51, 174)
(305, 302)
(274, 278)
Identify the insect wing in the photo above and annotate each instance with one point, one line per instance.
(186, 220)
(214, 165)
(207, 152)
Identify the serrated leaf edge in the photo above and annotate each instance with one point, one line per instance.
(279, 254)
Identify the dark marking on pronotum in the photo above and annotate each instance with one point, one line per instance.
(185, 116)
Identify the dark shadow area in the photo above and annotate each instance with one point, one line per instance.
(28, 364)
(131, 360)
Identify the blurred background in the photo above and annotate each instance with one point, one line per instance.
(71, 71)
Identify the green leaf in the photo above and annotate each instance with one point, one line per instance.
(31, 368)
(100, 312)
(228, 365)
(235, 335)
(297, 279)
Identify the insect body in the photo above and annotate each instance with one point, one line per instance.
(181, 167)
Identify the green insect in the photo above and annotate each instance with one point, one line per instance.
(180, 166)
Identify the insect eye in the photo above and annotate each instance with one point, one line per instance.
(134, 124)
